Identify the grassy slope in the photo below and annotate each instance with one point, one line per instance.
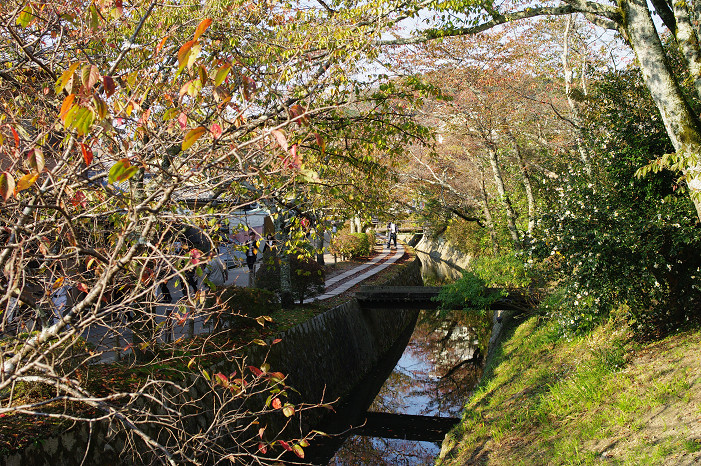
(595, 399)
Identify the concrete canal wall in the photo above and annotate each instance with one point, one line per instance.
(324, 357)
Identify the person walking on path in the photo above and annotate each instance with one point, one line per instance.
(392, 234)
(251, 251)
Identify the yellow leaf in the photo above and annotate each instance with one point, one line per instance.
(7, 185)
(194, 53)
(26, 182)
(67, 104)
(221, 75)
(65, 77)
(35, 158)
(192, 136)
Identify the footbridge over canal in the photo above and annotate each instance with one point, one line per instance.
(425, 298)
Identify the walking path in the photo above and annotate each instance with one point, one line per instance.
(352, 277)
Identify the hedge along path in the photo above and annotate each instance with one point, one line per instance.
(377, 264)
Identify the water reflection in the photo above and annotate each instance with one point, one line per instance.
(434, 376)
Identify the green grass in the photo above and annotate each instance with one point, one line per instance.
(592, 399)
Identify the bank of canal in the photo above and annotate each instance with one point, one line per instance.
(429, 374)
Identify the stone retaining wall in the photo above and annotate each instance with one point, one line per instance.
(326, 355)
(440, 249)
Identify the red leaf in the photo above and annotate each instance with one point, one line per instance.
(285, 445)
(79, 200)
(249, 87)
(263, 449)
(195, 256)
(280, 138)
(109, 85)
(256, 371)
(182, 119)
(298, 111)
(224, 380)
(320, 142)
(216, 130)
(260, 432)
(7, 185)
(277, 404)
(16, 136)
(82, 287)
(296, 158)
(87, 154)
(184, 53)
(277, 340)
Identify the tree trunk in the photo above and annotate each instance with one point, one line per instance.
(505, 200)
(526, 178)
(574, 112)
(688, 42)
(682, 125)
(488, 216)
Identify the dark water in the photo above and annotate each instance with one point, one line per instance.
(433, 376)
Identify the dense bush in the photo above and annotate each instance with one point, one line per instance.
(353, 244)
(622, 243)
(504, 271)
(237, 303)
(471, 291)
(306, 275)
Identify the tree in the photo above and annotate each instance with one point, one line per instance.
(623, 244)
(124, 127)
(633, 21)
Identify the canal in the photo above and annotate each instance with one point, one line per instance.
(400, 413)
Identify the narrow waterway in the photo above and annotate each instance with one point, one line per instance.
(431, 377)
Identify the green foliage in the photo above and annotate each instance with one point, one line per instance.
(618, 242)
(353, 244)
(468, 293)
(471, 291)
(504, 271)
(307, 276)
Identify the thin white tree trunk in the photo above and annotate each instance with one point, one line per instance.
(488, 216)
(526, 178)
(505, 200)
(574, 112)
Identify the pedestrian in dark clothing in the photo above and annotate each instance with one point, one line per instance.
(251, 251)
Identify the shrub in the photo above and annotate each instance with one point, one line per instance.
(621, 242)
(240, 302)
(353, 244)
(505, 271)
(468, 293)
(306, 275)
